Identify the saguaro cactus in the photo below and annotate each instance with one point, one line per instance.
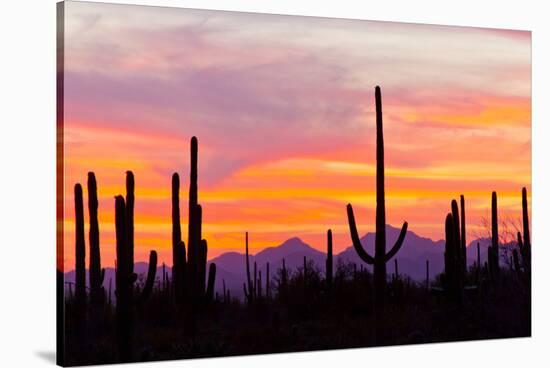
(249, 288)
(125, 277)
(124, 285)
(178, 246)
(97, 274)
(524, 242)
(194, 225)
(493, 254)
(453, 263)
(328, 268)
(455, 250)
(130, 185)
(80, 251)
(189, 271)
(464, 262)
(380, 256)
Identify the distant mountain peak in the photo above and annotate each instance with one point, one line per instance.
(294, 242)
(289, 246)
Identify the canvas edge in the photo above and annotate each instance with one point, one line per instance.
(60, 277)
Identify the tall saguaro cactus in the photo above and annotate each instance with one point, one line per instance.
(195, 218)
(130, 185)
(493, 254)
(464, 261)
(380, 256)
(124, 285)
(249, 288)
(524, 242)
(80, 250)
(125, 276)
(97, 274)
(190, 284)
(328, 268)
(455, 250)
(178, 246)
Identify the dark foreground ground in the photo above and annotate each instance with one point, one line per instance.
(307, 316)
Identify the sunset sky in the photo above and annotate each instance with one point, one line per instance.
(283, 108)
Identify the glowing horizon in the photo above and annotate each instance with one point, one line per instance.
(284, 115)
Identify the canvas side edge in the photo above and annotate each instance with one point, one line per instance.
(60, 294)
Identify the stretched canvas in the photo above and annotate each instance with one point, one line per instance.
(236, 183)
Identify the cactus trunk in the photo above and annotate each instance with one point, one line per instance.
(80, 255)
(249, 288)
(525, 248)
(178, 264)
(464, 262)
(328, 269)
(124, 285)
(493, 252)
(80, 248)
(97, 293)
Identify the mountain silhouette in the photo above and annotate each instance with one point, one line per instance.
(411, 259)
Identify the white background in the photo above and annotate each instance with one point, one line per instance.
(27, 181)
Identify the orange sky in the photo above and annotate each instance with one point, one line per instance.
(283, 110)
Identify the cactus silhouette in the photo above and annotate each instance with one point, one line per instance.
(328, 268)
(80, 255)
(130, 186)
(150, 280)
(80, 246)
(189, 281)
(96, 273)
(125, 277)
(464, 261)
(249, 287)
(178, 246)
(380, 256)
(453, 263)
(124, 285)
(493, 253)
(524, 243)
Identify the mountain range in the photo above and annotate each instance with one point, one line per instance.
(231, 265)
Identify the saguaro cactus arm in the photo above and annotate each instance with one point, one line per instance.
(151, 274)
(398, 243)
(355, 238)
